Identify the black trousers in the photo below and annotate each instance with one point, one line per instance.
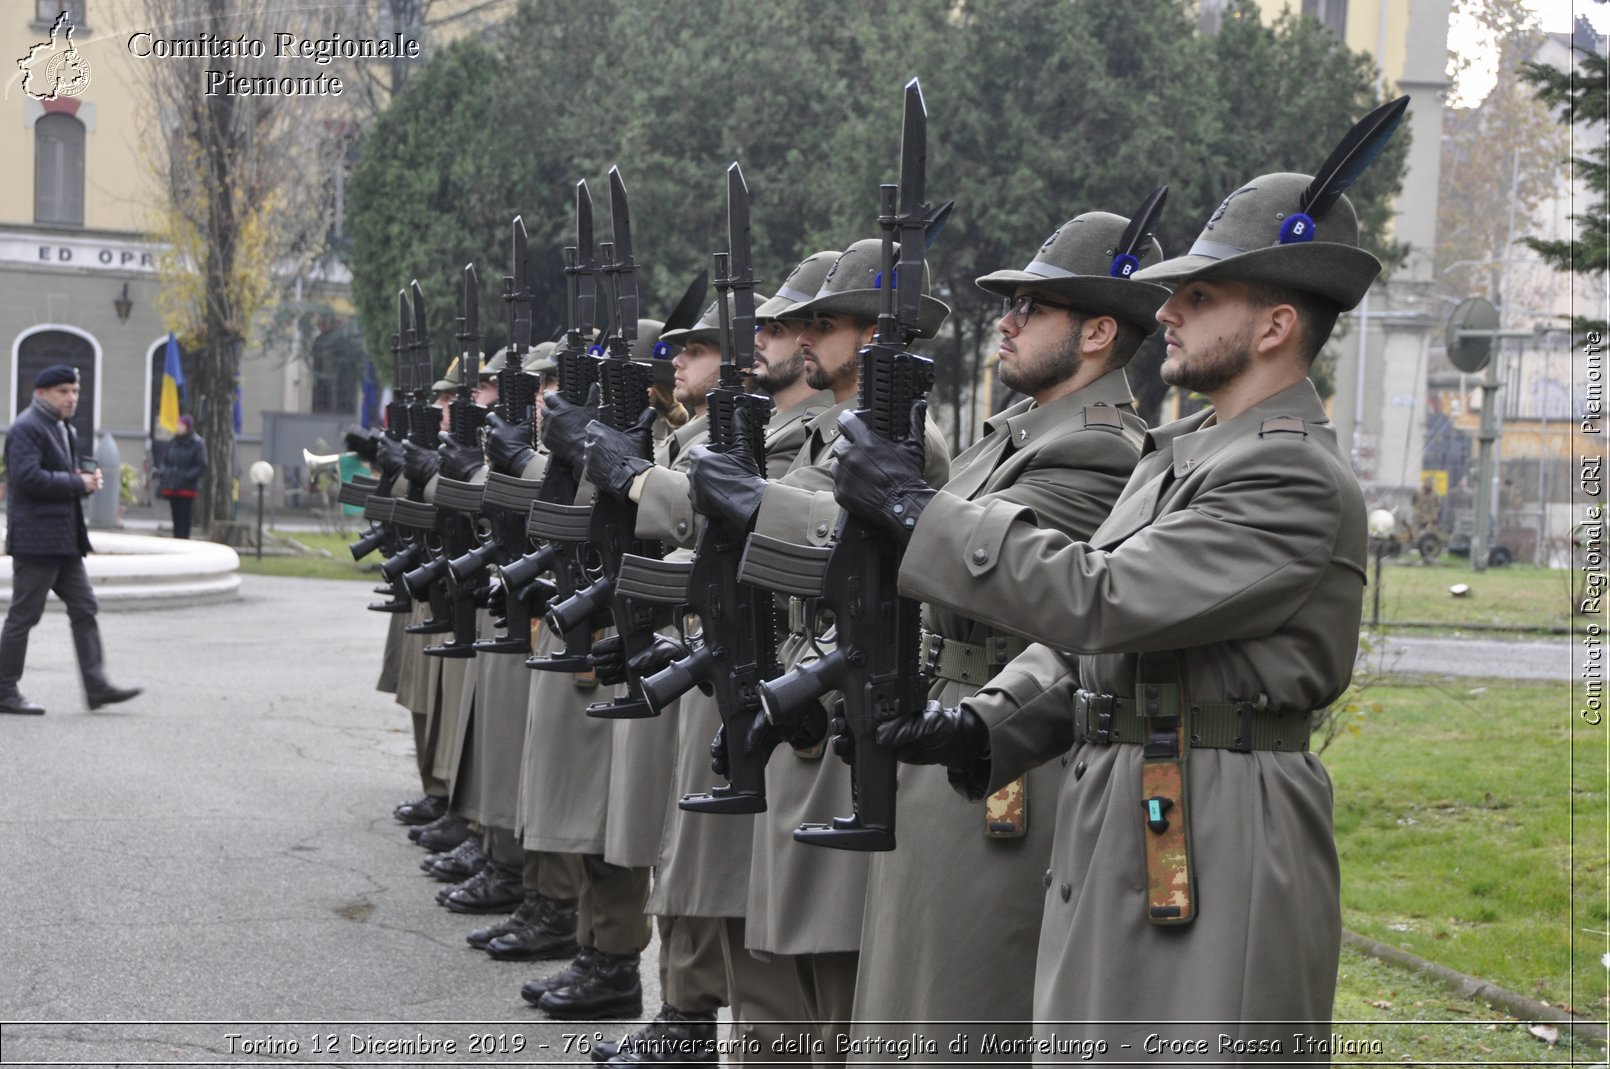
(32, 579)
(182, 507)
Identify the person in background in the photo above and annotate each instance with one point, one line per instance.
(180, 474)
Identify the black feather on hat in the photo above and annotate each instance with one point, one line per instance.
(1293, 230)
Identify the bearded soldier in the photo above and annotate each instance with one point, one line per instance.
(1193, 892)
(803, 902)
(1069, 327)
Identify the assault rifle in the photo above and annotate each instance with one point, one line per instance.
(458, 503)
(415, 513)
(394, 542)
(555, 519)
(508, 497)
(876, 664)
(737, 647)
(624, 395)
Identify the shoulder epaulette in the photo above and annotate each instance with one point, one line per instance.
(1283, 425)
(1104, 416)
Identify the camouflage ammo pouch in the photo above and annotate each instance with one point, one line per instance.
(1006, 812)
(1166, 716)
(1168, 724)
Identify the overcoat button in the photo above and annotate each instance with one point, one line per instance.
(980, 555)
(1048, 877)
(1067, 891)
(1079, 770)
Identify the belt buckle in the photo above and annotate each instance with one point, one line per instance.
(1097, 710)
(933, 645)
(796, 615)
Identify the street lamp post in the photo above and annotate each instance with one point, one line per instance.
(1382, 523)
(262, 473)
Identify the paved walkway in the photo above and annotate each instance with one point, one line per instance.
(222, 850)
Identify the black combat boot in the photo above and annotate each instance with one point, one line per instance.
(687, 1039)
(445, 834)
(421, 810)
(459, 863)
(549, 935)
(529, 911)
(495, 889)
(533, 990)
(611, 989)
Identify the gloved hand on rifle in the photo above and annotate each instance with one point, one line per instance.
(419, 463)
(615, 458)
(719, 485)
(880, 481)
(459, 461)
(389, 458)
(508, 445)
(763, 734)
(608, 658)
(363, 443)
(564, 426)
(952, 736)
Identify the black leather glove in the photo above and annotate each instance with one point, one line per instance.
(608, 661)
(564, 426)
(881, 481)
(496, 600)
(508, 445)
(615, 458)
(938, 735)
(659, 653)
(459, 461)
(719, 485)
(389, 457)
(758, 735)
(419, 463)
(362, 443)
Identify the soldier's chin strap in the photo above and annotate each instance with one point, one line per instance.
(1161, 698)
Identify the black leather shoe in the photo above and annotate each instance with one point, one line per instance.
(494, 889)
(460, 863)
(529, 911)
(420, 829)
(533, 990)
(110, 695)
(611, 989)
(421, 810)
(687, 1039)
(21, 706)
(445, 835)
(549, 936)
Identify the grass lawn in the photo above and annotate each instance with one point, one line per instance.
(1454, 821)
(339, 565)
(1518, 596)
(1417, 1020)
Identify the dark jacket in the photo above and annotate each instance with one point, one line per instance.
(44, 493)
(183, 463)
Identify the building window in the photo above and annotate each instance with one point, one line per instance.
(47, 11)
(1332, 14)
(43, 348)
(59, 170)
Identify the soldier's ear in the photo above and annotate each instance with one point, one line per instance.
(1097, 334)
(1277, 327)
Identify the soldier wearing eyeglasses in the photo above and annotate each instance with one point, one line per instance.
(1067, 329)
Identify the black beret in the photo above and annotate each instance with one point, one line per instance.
(55, 375)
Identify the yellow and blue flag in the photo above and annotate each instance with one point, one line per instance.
(172, 388)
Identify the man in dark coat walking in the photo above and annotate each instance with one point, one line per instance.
(47, 540)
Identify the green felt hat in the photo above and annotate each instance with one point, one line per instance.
(1077, 263)
(853, 287)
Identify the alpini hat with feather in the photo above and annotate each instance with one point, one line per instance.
(1293, 230)
(853, 287)
(799, 287)
(1091, 260)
